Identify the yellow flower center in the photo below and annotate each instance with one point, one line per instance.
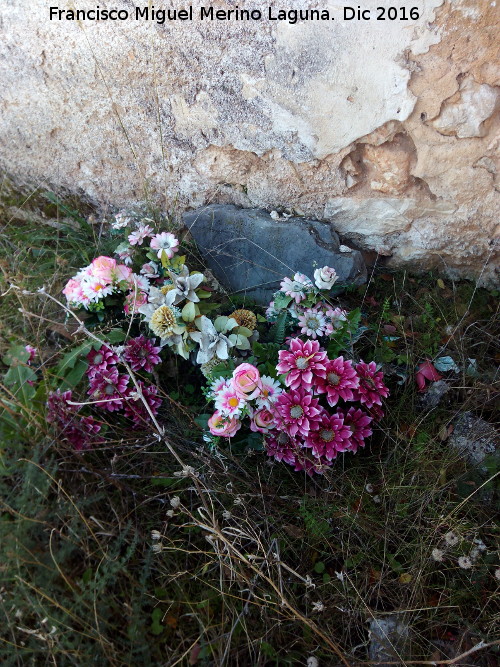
(233, 402)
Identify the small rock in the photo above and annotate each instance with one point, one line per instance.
(388, 637)
(434, 394)
(474, 437)
(249, 252)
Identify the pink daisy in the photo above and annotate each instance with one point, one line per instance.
(296, 288)
(297, 412)
(302, 363)
(312, 323)
(141, 353)
(218, 384)
(108, 388)
(339, 381)
(270, 391)
(138, 236)
(371, 388)
(332, 436)
(228, 403)
(335, 318)
(359, 423)
(165, 242)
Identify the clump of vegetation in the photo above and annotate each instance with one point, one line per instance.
(157, 546)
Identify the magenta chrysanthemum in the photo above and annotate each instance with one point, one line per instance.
(304, 362)
(332, 436)
(58, 407)
(282, 447)
(134, 407)
(100, 359)
(107, 388)
(359, 423)
(142, 354)
(371, 388)
(375, 412)
(296, 412)
(338, 382)
(80, 432)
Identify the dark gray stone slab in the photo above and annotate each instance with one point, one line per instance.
(250, 253)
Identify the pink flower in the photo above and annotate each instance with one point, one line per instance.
(81, 433)
(99, 360)
(142, 232)
(371, 388)
(282, 447)
(142, 354)
(339, 381)
(32, 352)
(223, 426)
(126, 255)
(58, 406)
(296, 288)
(133, 301)
(108, 388)
(426, 371)
(246, 381)
(218, 384)
(375, 412)
(122, 273)
(73, 290)
(332, 436)
(359, 423)
(262, 421)
(134, 407)
(335, 318)
(302, 363)
(297, 412)
(228, 402)
(103, 268)
(165, 242)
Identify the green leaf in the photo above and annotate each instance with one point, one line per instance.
(75, 375)
(115, 336)
(70, 358)
(17, 378)
(224, 323)
(281, 301)
(16, 353)
(319, 567)
(203, 294)
(188, 313)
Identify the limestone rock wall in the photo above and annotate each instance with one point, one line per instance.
(388, 129)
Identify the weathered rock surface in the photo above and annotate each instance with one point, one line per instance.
(474, 437)
(388, 637)
(250, 253)
(389, 130)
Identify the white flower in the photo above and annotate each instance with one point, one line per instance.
(271, 389)
(437, 555)
(165, 242)
(95, 289)
(318, 606)
(184, 287)
(369, 488)
(226, 514)
(465, 563)
(211, 342)
(156, 548)
(451, 539)
(155, 535)
(497, 573)
(480, 544)
(121, 220)
(312, 661)
(175, 502)
(325, 277)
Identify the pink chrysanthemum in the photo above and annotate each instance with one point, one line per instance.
(312, 323)
(297, 412)
(332, 436)
(81, 433)
(134, 407)
(99, 360)
(58, 406)
(141, 353)
(108, 388)
(375, 412)
(359, 423)
(371, 388)
(339, 381)
(282, 447)
(310, 464)
(302, 363)
(297, 288)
